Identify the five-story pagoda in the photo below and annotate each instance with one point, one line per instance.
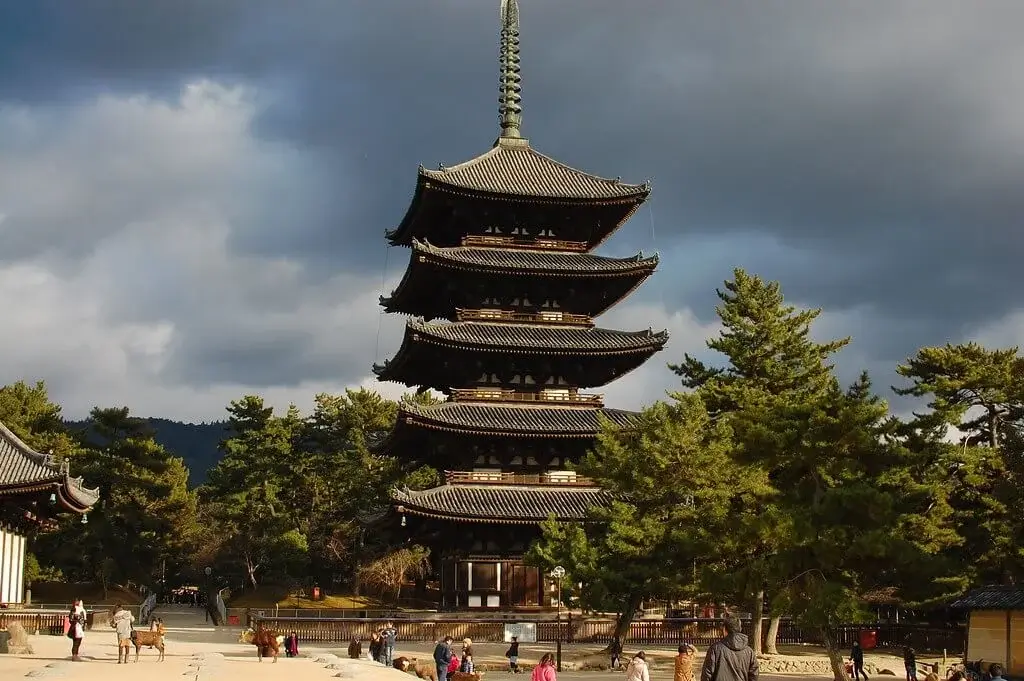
(504, 287)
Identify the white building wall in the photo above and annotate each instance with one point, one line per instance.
(12, 566)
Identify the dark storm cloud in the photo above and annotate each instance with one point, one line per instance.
(866, 154)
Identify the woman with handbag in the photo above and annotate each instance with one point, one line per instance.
(76, 628)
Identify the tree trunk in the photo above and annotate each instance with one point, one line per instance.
(835, 658)
(758, 622)
(625, 619)
(771, 640)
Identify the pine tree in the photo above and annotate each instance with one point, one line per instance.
(146, 518)
(978, 392)
(674, 489)
(772, 360)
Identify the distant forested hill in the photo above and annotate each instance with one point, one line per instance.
(196, 443)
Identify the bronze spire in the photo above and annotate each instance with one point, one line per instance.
(510, 110)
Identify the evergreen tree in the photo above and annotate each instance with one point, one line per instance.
(772, 361)
(256, 496)
(857, 520)
(674, 493)
(979, 393)
(146, 519)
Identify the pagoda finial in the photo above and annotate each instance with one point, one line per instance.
(510, 110)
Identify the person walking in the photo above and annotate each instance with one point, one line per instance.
(443, 657)
(857, 660)
(684, 663)
(122, 622)
(615, 650)
(545, 669)
(731, 658)
(910, 663)
(513, 656)
(76, 628)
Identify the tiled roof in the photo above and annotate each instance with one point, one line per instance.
(518, 337)
(25, 470)
(513, 167)
(992, 598)
(525, 420)
(522, 504)
(549, 261)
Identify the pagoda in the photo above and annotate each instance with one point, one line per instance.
(502, 289)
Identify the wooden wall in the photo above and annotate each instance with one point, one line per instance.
(994, 633)
(1016, 664)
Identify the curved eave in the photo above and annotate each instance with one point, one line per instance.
(426, 185)
(44, 476)
(418, 503)
(432, 418)
(417, 335)
(428, 262)
(611, 267)
(427, 333)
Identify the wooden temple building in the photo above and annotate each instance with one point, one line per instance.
(33, 490)
(503, 288)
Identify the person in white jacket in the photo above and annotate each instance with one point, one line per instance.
(76, 628)
(638, 669)
(122, 621)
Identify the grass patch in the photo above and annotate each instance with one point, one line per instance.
(268, 596)
(62, 593)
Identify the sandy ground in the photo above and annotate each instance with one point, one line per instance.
(197, 651)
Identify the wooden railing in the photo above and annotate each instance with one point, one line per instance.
(667, 632)
(554, 478)
(42, 622)
(510, 395)
(542, 317)
(528, 244)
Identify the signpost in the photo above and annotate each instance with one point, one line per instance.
(557, 574)
(525, 632)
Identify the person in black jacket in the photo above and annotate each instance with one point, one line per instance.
(857, 659)
(732, 658)
(443, 657)
(513, 655)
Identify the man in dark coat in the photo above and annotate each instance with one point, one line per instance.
(730, 659)
(443, 657)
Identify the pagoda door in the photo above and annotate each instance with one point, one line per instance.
(525, 586)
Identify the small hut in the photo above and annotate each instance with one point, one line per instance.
(995, 628)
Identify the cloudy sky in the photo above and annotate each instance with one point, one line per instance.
(194, 193)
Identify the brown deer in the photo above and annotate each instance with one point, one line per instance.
(149, 639)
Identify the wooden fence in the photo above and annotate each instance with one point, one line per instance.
(664, 632)
(43, 622)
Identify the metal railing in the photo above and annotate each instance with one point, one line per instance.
(222, 610)
(542, 317)
(555, 478)
(514, 242)
(147, 607)
(511, 395)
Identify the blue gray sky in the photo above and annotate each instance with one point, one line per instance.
(194, 193)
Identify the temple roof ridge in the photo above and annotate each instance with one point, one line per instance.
(20, 465)
(513, 166)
